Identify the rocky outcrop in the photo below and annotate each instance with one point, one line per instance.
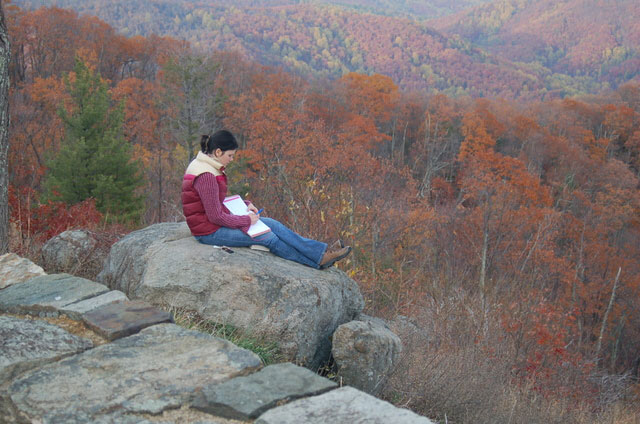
(14, 269)
(159, 368)
(163, 373)
(278, 300)
(365, 352)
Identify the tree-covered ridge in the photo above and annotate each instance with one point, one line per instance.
(331, 41)
(598, 39)
(418, 9)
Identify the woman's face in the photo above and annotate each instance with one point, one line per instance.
(226, 157)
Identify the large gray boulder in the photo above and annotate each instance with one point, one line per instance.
(76, 252)
(296, 306)
(365, 352)
(14, 269)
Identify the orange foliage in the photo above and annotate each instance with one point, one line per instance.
(142, 116)
(529, 208)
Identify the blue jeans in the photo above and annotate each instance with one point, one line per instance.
(280, 240)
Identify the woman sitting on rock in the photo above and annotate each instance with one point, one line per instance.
(204, 189)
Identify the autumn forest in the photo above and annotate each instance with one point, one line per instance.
(489, 183)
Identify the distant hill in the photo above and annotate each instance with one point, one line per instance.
(328, 41)
(595, 38)
(417, 9)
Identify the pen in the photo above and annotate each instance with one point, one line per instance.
(260, 211)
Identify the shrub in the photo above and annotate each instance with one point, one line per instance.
(460, 368)
(34, 222)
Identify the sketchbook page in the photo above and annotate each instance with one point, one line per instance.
(258, 229)
(236, 206)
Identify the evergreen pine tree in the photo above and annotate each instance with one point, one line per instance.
(94, 160)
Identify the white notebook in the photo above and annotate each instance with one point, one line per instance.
(236, 206)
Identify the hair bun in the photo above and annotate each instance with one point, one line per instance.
(221, 139)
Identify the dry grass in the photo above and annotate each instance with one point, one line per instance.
(465, 386)
(452, 375)
(267, 351)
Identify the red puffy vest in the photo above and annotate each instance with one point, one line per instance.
(192, 206)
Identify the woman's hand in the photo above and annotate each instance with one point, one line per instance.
(252, 208)
(254, 218)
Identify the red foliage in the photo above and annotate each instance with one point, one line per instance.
(41, 221)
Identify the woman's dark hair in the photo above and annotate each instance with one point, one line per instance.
(221, 139)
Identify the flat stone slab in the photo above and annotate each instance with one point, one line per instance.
(184, 415)
(341, 406)
(76, 309)
(48, 293)
(27, 343)
(15, 269)
(244, 398)
(121, 319)
(157, 369)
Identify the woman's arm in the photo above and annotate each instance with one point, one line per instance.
(207, 187)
